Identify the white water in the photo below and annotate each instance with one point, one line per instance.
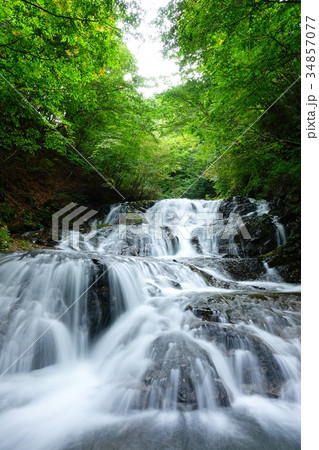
(158, 377)
(182, 228)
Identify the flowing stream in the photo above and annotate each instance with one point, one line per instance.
(160, 334)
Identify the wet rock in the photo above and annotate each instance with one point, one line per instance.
(204, 312)
(99, 309)
(263, 236)
(175, 284)
(175, 379)
(134, 244)
(138, 207)
(45, 353)
(210, 279)
(41, 237)
(241, 205)
(287, 258)
(153, 290)
(244, 270)
(260, 227)
(144, 205)
(171, 239)
(195, 243)
(280, 312)
(210, 311)
(104, 303)
(268, 371)
(233, 268)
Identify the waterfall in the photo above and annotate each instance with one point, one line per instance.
(167, 332)
(280, 231)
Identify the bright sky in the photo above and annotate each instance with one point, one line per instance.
(150, 61)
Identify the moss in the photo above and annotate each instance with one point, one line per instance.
(5, 239)
(9, 244)
(104, 225)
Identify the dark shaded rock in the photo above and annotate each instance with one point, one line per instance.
(176, 376)
(240, 205)
(243, 270)
(171, 239)
(102, 213)
(229, 340)
(285, 203)
(261, 228)
(276, 313)
(138, 207)
(233, 268)
(263, 236)
(175, 284)
(287, 258)
(105, 300)
(204, 312)
(99, 309)
(210, 279)
(41, 237)
(45, 353)
(195, 242)
(290, 273)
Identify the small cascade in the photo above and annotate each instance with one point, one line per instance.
(176, 338)
(36, 289)
(280, 231)
(184, 228)
(272, 274)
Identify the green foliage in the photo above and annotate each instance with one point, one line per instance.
(237, 59)
(50, 52)
(5, 239)
(9, 244)
(6, 213)
(68, 59)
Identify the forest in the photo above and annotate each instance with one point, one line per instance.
(71, 105)
(150, 248)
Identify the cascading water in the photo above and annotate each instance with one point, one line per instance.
(178, 338)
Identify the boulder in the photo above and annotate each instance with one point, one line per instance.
(263, 236)
(99, 310)
(236, 269)
(240, 205)
(229, 340)
(180, 374)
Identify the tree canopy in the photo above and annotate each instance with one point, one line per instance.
(231, 127)
(238, 58)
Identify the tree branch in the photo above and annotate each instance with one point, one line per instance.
(60, 16)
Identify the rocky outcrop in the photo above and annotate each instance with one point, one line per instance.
(236, 308)
(41, 237)
(267, 370)
(287, 258)
(104, 305)
(260, 226)
(220, 320)
(241, 205)
(178, 365)
(99, 306)
(263, 236)
(231, 268)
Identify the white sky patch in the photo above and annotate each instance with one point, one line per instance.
(161, 73)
